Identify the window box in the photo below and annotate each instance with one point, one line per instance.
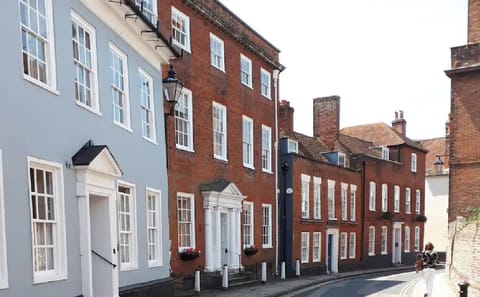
(189, 254)
(250, 250)
(387, 215)
(420, 218)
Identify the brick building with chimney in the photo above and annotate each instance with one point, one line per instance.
(350, 198)
(220, 144)
(463, 254)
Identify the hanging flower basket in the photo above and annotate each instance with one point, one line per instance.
(250, 250)
(420, 218)
(387, 215)
(189, 254)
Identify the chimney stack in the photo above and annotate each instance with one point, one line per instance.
(399, 124)
(473, 21)
(285, 117)
(326, 119)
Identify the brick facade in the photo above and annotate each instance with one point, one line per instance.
(326, 119)
(473, 21)
(189, 170)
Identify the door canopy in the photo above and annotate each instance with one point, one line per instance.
(97, 158)
(222, 193)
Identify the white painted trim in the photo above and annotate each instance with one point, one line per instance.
(372, 196)
(331, 186)
(3, 241)
(416, 247)
(307, 258)
(317, 180)
(371, 253)
(269, 95)
(252, 218)
(397, 226)
(317, 258)
(384, 197)
(159, 248)
(293, 143)
(60, 272)
(396, 199)
(413, 162)
(269, 130)
(352, 253)
(270, 244)
(305, 178)
(115, 50)
(406, 248)
(409, 198)
(224, 156)
(344, 235)
(93, 45)
(133, 265)
(418, 202)
(335, 248)
(249, 120)
(384, 252)
(192, 214)
(219, 40)
(244, 58)
(148, 77)
(189, 148)
(186, 19)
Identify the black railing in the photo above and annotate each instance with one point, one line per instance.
(104, 259)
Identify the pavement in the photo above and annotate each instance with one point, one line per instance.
(293, 286)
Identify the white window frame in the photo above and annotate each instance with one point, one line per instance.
(266, 149)
(150, 109)
(292, 146)
(87, 27)
(384, 240)
(407, 239)
(413, 165)
(132, 213)
(246, 73)
(344, 201)
(267, 226)
(50, 72)
(247, 142)
(417, 239)
(384, 197)
(179, 16)
(3, 240)
(126, 124)
(248, 208)
(305, 247)
(385, 153)
(316, 245)
(305, 196)
(396, 198)
(59, 234)
(417, 201)
(223, 132)
(331, 199)
(371, 241)
(157, 228)
(149, 12)
(353, 203)
(352, 245)
(343, 245)
(408, 200)
(192, 220)
(184, 114)
(342, 160)
(265, 83)
(317, 198)
(372, 196)
(214, 56)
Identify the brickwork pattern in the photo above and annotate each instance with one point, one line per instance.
(326, 119)
(473, 21)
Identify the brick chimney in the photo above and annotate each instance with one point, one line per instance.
(326, 119)
(399, 124)
(473, 21)
(285, 117)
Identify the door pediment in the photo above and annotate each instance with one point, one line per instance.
(222, 193)
(97, 158)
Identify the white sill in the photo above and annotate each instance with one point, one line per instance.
(267, 97)
(184, 148)
(4, 284)
(343, 258)
(123, 127)
(88, 108)
(372, 210)
(220, 158)
(248, 166)
(128, 267)
(315, 261)
(267, 171)
(48, 278)
(181, 46)
(352, 258)
(384, 253)
(154, 264)
(150, 140)
(406, 251)
(371, 254)
(304, 262)
(40, 84)
(248, 86)
(332, 219)
(215, 66)
(267, 246)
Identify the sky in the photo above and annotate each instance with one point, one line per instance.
(379, 56)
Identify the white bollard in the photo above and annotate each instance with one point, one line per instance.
(197, 281)
(264, 272)
(225, 277)
(297, 268)
(282, 272)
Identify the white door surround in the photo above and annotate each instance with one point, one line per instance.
(223, 207)
(397, 242)
(97, 172)
(334, 249)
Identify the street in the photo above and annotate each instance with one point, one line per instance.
(407, 284)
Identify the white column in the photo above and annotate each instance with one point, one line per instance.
(209, 244)
(232, 249)
(218, 252)
(238, 238)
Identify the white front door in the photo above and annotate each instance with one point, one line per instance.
(224, 239)
(104, 254)
(397, 246)
(332, 250)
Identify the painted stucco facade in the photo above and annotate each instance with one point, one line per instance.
(42, 126)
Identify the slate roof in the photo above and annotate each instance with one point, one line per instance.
(88, 153)
(435, 147)
(310, 147)
(380, 134)
(217, 186)
(358, 146)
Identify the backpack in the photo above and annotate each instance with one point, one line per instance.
(419, 263)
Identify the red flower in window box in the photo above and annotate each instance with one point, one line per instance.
(189, 254)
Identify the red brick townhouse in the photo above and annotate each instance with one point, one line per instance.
(221, 135)
(348, 199)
